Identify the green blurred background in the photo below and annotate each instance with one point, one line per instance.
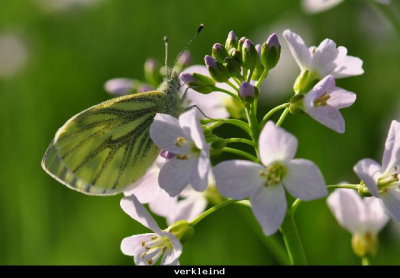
(64, 51)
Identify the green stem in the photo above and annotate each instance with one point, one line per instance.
(240, 140)
(271, 112)
(347, 186)
(261, 79)
(228, 93)
(283, 116)
(292, 240)
(251, 117)
(232, 86)
(236, 80)
(365, 261)
(242, 153)
(295, 205)
(215, 125)
(211, 210)
(238, 123)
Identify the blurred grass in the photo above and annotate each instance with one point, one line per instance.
(72, 54)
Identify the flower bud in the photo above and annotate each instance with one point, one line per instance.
(248, 92)
(219, 52)
(217, 144)
(145, 88)
(198, 82)
(231, 41)
(233, 67)
(185, 59)
(240, 43)
(167, 155)
(364, 191)
(152, 72)
(301, 82)
(182, 230)
(236, 56)
(297, 104)
(271, 52)
(120, 86)
(249, 55)
(259, 69)
(217, 70)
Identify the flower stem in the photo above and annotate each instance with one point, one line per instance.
(295, 205)
(228, 92)
(242, 153)
(261, 79)
(271, 112)
(252, 118)
(292, 240)
(232, 86)
(238, 123)
(283, 116)
(240, 140)
(365, 261)
(347, 186)
(211, 210)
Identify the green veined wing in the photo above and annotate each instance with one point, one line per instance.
(105, 148)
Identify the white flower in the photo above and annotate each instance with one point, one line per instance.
(316, 6)
(148, 248)
(383, 181)
(323, 102)
(214, 104)
(239, 179)
(326, 59)
(185, 138)
(364, 218)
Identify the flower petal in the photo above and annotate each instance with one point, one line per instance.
(164, 205)
(269, 207)
(190, 124)
(304, 180)
(298, 49)
(238, 179)
(391, 155)
(340, 98)
(369, 171)
(327, 115)
(199, 178)
(166, 257)
(175, 175)
(189, 208)
(276, 144)
(172, 257)
(131, 246)
(348, 208)
(137, 211)
(324, 60)
(351, 66)
(164, 131)
(391, 203)
(146, 188)
(316, 6)
(376, 218)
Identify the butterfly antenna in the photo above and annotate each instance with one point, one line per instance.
(187, 46)
(166, 54)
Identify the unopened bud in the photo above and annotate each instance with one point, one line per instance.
(249, 55)
(145, 88)
(185, 59)
(152, 72)
(259, 69)
(247, 92)
(216, 69)
(198, 82)
(231, 41)
(219, 52)
(120, 86)
(271, 52)
(297, 104)
(233, 67)
(236, 56)
(240, 44)
(167, 155)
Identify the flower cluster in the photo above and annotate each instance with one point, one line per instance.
(185, 178)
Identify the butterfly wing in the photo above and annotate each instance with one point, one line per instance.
(104, 149)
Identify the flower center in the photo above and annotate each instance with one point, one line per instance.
(180, 141)
(155, 247)
(322, 100)
(273, 174)
(390, 180)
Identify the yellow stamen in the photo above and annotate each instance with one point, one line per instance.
(182, 156)
(180, 141)
(143, 255)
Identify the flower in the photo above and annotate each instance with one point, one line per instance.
(120, 86)
(316, 6)
(239, 179)
(326, 59)
(148, 248)
(364, 218)
(383, 181)
(185, 138)
(214, 104)
(323, 102)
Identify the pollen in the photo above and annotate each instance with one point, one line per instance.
(143, 255)
(153, 237)
(180, 141)
(322, 100)
(164, 249)
(150, 261)
(143, 243)
(182, 156)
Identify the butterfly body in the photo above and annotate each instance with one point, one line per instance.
(107, 147)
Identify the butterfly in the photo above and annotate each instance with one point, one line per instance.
(107, 147)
